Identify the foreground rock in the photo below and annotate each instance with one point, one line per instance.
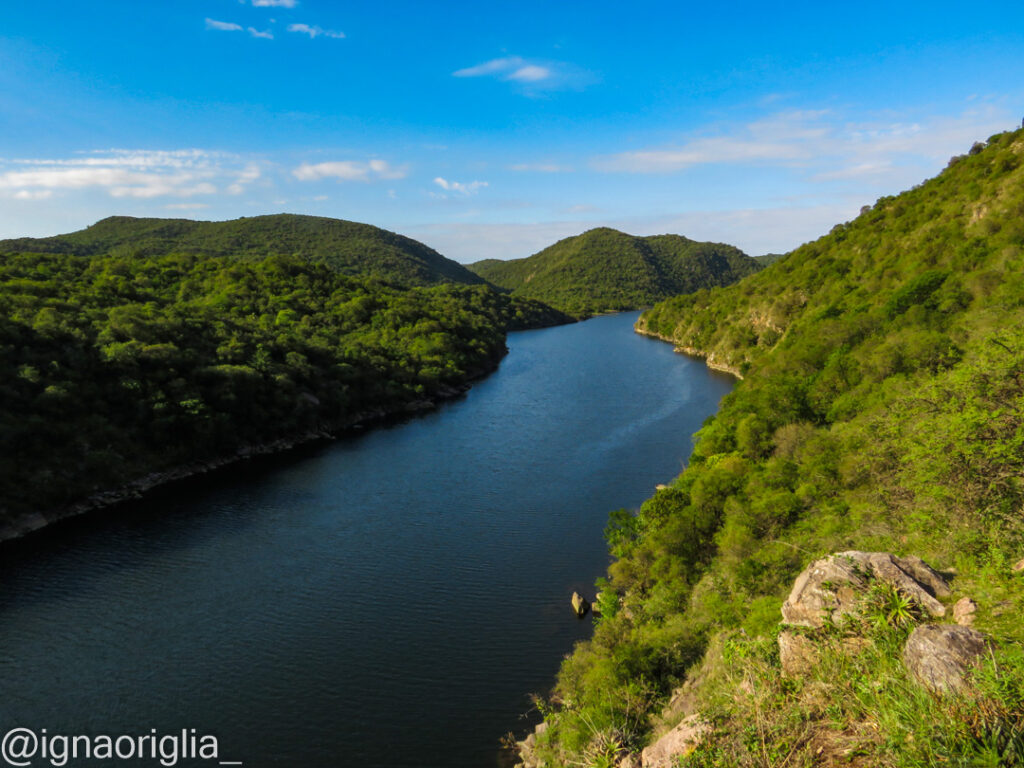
(832, 587)
(964, 610)
(939, 656)
(679, 742)
(797, 653)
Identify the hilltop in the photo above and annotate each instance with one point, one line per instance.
(882, 409)
(347, 247)
(604, 270)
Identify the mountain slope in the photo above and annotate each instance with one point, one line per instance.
(882, 409)
(348, 247)
(605, 270)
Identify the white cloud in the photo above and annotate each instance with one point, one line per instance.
(349, 170)
(492, 67)
(508, 68)
(248, 175)
(223, 26)
(186, 206)
(823, 145)
(268, 35)
(540, 168)
(530, 73)
(126, 173)
(33, 194)
(275, 3)
(314, 31)
(531, 76)
(467, 188)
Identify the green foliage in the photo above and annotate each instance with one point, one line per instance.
(117, 366)
(604, 270)
(882, 409)
(346, 246)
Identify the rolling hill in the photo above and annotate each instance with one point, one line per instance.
(604, 270)
(348, 247)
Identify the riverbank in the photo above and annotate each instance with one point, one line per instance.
(709, 360)
(137, 488)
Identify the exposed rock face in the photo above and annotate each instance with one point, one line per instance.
(831, 587)
(939, 655)
(964, 610)
(798, 654)
(580, 604)
(680, 741)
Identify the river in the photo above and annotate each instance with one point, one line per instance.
(387, 599)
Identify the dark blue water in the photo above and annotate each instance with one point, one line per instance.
(389, 599)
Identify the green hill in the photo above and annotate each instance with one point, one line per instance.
(605, 270)
(348, 247)
(882, 409)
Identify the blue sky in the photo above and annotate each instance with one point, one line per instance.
(493, 129)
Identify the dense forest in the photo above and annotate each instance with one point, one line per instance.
(116, 365)
(882, 409)
(346, 246)
(604, 270)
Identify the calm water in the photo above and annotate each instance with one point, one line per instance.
(383, 600)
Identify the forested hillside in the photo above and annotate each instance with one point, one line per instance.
(346, 246)
(882, 410)
(604, 270)
(115, 366)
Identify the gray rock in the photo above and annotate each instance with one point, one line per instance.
(964, 610)
(940, 655)
(798, 654)
(833, 586)
(680, 741)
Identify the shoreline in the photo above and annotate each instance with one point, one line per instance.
(136, 489)
(692, 352)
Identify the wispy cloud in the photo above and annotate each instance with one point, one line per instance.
(824, 145)
(530, 75)
(223, 26)
(275, 3)
(267, 35)
(349, 170)
(540, 168)
(314, 31)
(186, 206)
(467, 188)
(127, 174)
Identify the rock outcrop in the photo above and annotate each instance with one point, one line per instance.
(580, 604)
(832, 587)
(679, 742)
(797, 653)
(940, 655)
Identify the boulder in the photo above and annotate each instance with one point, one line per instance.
(964, 610)
(833, 586)
(1019, 566)
(798, 654)
(680, 741)
(940, 655)
(580, 604)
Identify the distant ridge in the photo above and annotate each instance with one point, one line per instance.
(604, 270)
(349, 247)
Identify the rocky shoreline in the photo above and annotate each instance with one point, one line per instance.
(709, 360)
(136, 489)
